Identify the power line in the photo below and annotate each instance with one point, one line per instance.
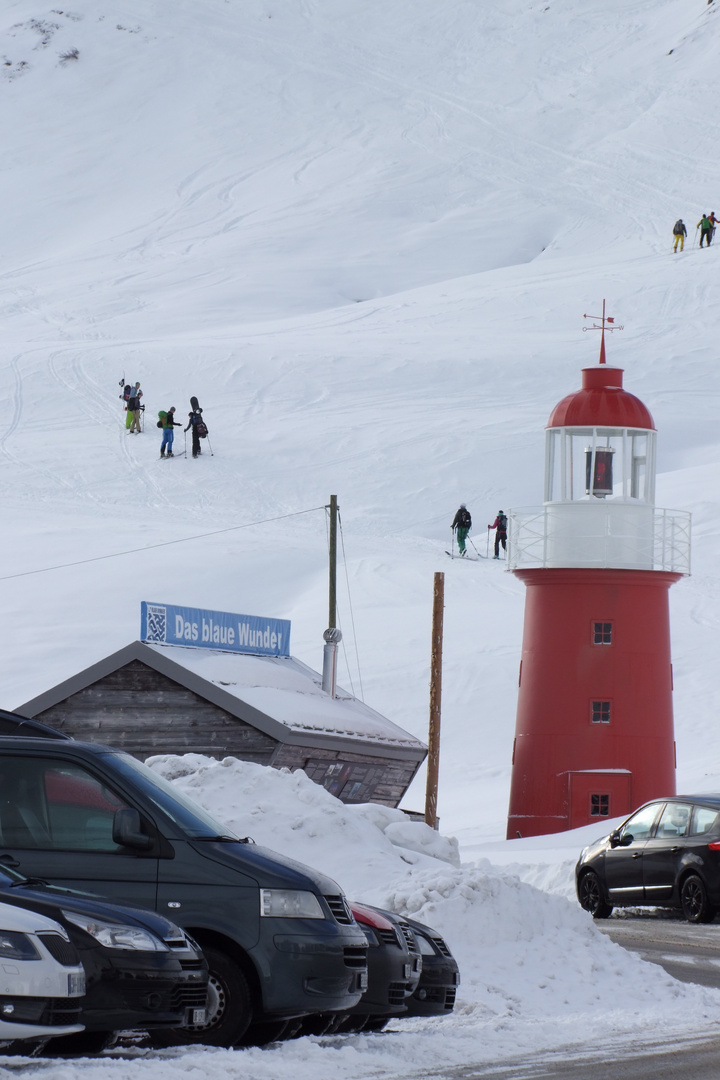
(163, 543)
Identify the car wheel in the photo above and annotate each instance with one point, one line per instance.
(229, 1008)
(591, 896)
(694, 899)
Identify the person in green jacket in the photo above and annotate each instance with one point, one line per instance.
(706, 229)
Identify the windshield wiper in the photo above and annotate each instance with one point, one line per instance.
(228, 839)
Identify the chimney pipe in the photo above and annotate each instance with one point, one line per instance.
(332, 637)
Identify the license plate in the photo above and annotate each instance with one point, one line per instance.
(363, 981)
(198, 1016)
(408, 970)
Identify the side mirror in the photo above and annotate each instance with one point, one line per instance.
(626, 840)
(127, 830)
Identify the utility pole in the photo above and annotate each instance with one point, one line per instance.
(332, 617)
(433, 758)
(332, 635)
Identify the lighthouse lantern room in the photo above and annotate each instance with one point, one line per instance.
(594, 730)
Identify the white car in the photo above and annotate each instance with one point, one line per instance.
(41, 977)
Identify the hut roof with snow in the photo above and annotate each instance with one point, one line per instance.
(151, 699)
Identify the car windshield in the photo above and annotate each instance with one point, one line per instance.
(185, 813)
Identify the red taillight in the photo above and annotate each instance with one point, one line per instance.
(714, 846)
(371, 918)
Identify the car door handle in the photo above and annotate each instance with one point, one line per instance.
(676, 848)
(7, 860)
(637, 855)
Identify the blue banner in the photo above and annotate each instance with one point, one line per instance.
(166, 624)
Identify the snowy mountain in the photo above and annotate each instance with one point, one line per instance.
(365, 236)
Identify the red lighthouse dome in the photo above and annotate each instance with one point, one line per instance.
(601, 402)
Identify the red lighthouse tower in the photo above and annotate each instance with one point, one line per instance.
(594, 731)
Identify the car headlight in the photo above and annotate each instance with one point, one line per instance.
(370, 934)
(290, 904)
(424, 945)
(116, 935)
(14, 946)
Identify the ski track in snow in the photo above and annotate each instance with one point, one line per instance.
(364, 235)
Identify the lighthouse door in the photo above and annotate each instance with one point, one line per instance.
(595, 796)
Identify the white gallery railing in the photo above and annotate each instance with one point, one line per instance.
(601, 534)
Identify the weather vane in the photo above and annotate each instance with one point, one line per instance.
(604, 320)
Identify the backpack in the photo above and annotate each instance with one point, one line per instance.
(464, 519)
(201, 428)
(502, 523)
(678, 228)
(162, 421)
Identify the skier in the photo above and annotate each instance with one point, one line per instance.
(713, 220)
(679, 232)
(167, 422)
(462, 523)
(500, 523)
(198, 425)
(134, 408)
(706, 229)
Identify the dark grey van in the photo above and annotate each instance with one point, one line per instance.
(279, 937)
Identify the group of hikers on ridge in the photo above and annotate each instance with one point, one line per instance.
(166, 420)
(462, 524)
(706, 225)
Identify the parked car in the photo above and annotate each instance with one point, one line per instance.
(142, 971)
(667, 854)
(435, 993)
(42, 981)
(394, 968)
(279, 937)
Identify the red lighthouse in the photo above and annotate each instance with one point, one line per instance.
(594, 731)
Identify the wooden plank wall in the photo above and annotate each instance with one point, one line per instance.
(138, 710)
(143, 712)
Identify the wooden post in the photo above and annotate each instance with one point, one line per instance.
(433, 758)
(332, 617)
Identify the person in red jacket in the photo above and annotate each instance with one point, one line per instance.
(500, 524)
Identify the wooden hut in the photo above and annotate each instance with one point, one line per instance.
(152, 699)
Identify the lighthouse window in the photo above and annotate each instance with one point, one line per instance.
(599, 806)
(601, 712)
(602, 633)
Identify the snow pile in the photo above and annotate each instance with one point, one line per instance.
(289, 813)
(526, 957)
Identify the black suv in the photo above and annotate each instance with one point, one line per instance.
(279, 938)
(667, 854)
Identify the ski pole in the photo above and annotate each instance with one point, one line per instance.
(452, 543)
(210, 445)
(474, 548)
(487, 546)
(696, 231)
(185, 450)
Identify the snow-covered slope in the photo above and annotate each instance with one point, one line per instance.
(364, 235)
